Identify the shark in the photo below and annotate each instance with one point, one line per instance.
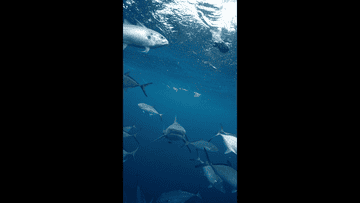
(175, 132)
(140, 36)
(129, 82)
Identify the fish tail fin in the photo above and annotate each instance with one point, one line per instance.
(136, 139)
(175, 118)
(124, 46)
(212, 138)
(161, 116)
(143, 87)
(198, 194)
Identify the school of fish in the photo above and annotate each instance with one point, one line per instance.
(218, 175)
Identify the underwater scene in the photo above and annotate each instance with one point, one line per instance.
(179, 101)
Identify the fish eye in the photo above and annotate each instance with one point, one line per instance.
(162, 37)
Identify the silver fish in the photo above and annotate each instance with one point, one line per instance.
(214, 180)
(176, 196)
(140, 36)
(129, 82)
(125, 135)
(230, 141)
(149, 109)
(201, 144)
(125, 154)
(226, 173)
(128, 128)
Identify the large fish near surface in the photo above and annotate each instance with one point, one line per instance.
(176, 196)
(175, 132)
(140, 36)
(214, 180)
(230, 141)
(129, 82)
(150, 109)
(226, 173)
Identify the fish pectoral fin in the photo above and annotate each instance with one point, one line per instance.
(157, 138)
(124, 46)
(147, 49)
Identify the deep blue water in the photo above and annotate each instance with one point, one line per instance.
(162, 167)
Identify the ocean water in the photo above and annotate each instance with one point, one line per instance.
(193, 81)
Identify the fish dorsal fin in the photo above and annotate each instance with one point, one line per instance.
(139, 24)
(175, 119)
(126, 22)
(127, 73)
(222, 129)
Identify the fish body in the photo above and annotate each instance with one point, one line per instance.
(128, 128)
(129, 82)
(226, 173)
(177, 196)
(230, 141)
(214, 180)
(201, 144)
(150, 109)
(125, 154)
(140, 36)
